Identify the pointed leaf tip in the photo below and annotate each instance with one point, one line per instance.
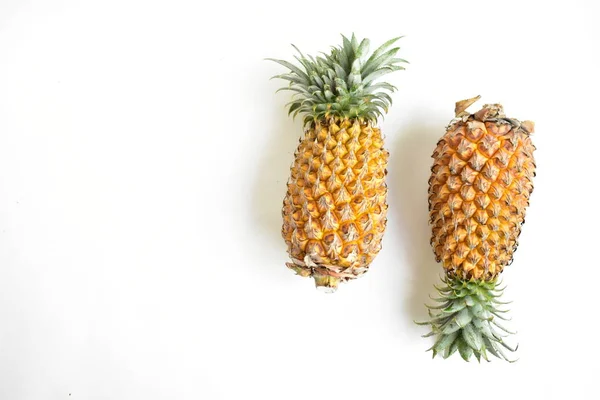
(462, 105)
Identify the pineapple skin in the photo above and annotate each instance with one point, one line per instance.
(334, 211)
(479, 190)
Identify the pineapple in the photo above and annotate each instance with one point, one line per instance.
(334, 211)
(479, 190)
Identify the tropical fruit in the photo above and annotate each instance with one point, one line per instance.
(334, 211)
(481, 180)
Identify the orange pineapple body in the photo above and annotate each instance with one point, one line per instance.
(334, 212)
(478, 192)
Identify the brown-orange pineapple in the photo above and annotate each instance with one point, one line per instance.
(334, 211)
(478, 192)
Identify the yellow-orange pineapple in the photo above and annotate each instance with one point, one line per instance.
(478, 192)
(334, 211)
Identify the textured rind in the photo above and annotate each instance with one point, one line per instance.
(334, 212)
(466, 319)
(478, 192)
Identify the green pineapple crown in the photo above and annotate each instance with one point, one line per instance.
(342, 84)
(466, 320)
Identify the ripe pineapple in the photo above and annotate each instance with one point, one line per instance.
(334, 212)
(478, 191)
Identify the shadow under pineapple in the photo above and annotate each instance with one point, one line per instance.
(408, 178)
(270, 181)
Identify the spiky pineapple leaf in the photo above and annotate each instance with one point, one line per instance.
(465, 320)
(343, 80)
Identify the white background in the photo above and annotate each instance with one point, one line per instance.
(143, 161)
